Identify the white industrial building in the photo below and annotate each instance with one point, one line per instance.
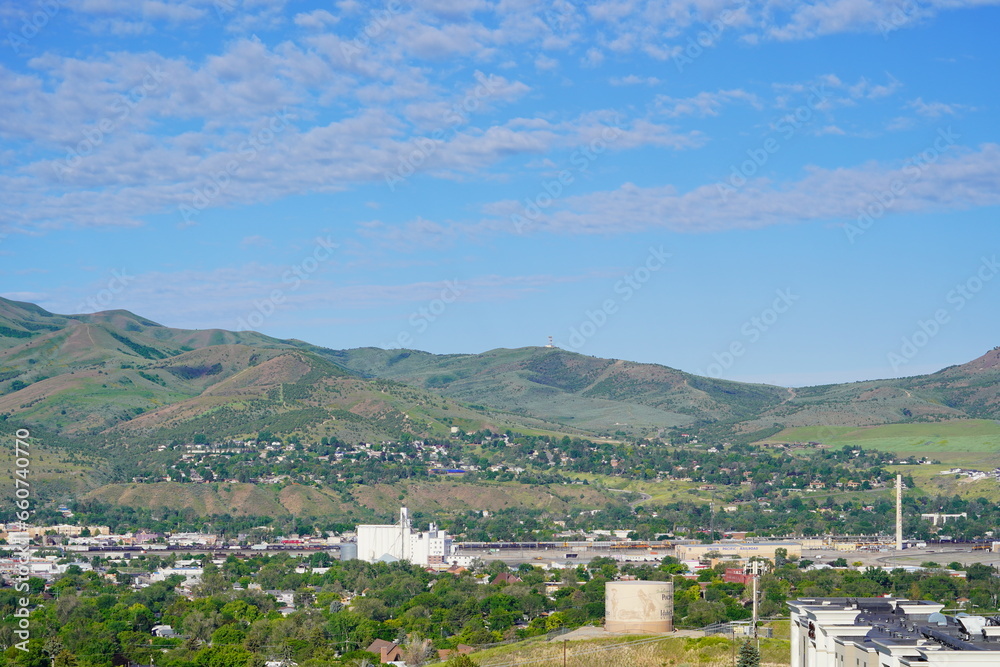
(889, 632)
(401, 542)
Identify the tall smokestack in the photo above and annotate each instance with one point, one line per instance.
(899, 512)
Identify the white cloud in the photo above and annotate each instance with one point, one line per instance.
(593, 58)
(634, 80)
(317, 19)
(704, 103)
(544, 63)
(959, 181)
(934, 109)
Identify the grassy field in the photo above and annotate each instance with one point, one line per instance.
(54, 474)
(626, 651)
(431, 497)
(952, 440)
(929, 480)
(967, 443)
(667, 491)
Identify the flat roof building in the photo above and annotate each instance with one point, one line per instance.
(889, 632)
(737, 549)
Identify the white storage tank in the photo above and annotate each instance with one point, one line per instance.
(639, 606)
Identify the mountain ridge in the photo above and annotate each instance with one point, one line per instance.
(114, 372)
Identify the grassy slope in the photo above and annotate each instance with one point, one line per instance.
(546, 388)
(605, 395)
(55, 474)
(971, 436)
(667, 491)
(973, 444)
(116, 375)
(714, 651)
(433, 498)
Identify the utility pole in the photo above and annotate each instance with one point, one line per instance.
(755, 572)
(899, 512)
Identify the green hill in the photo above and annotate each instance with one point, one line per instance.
(113, 396)
(115, 377)
(605, 396)
(608, 396)
(115, 372)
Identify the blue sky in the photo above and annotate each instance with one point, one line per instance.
(784, 192)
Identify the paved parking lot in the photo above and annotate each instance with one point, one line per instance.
(942, 554)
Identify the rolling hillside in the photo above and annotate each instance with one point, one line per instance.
(612, 396)
(600, 395)
(116, 378)
(108, 389)
(114, 373)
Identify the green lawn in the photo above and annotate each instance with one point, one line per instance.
(937, 440)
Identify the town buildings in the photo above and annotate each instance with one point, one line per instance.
(889, 632)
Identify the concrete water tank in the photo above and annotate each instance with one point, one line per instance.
(639, 606)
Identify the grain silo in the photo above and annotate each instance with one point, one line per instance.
(639, 606)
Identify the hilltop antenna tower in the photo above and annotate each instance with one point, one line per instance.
(899, 512)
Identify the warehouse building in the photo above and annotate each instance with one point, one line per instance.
(889, 632)
(737, 550)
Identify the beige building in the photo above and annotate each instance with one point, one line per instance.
(64, 530)
(888, 632)
(737, 549)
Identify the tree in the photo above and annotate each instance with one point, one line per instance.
(749, 655)
(64, 659)
(416, 651)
